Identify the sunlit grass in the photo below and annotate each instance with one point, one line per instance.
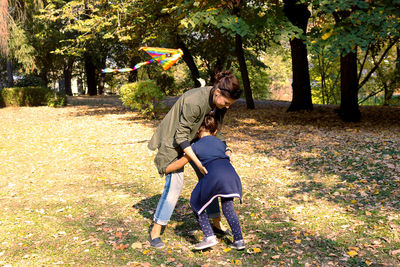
(78, 187)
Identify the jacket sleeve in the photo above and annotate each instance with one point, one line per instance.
(189, 116)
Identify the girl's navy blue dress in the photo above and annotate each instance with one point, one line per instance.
(221, 180)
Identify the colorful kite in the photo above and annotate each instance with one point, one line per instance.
(165, 56)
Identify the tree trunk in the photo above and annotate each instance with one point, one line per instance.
(188, 58)
(243, 70)
(90, 71)
(298, 15)
(349, 109)
(101, 83)
(44, 75)
(395, 82)
(133, 75)
(10, 78)
(68, 77)
(219, 66)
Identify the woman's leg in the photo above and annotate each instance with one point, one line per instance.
(231, 217)
(166, 204)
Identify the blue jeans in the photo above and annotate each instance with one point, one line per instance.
(172, 189)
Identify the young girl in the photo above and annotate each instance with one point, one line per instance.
(220, 181)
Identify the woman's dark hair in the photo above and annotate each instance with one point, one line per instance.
(209, 124)
(228, 84)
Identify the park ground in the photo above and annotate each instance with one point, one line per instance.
(78, 187)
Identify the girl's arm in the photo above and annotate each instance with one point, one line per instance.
(189, 152)
(177, 164)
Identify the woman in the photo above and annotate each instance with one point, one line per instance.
(173, 136)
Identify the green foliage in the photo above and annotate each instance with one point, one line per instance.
(26, 96)
(57, 100)
(351, 24)
(2, 104)
(29, 81)
(325, 77)
(21, 48)
(166, 83)
(260, 82)
(143, 96)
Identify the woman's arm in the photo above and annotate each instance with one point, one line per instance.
(177, 164)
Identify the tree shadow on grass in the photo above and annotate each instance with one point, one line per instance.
(317, 146)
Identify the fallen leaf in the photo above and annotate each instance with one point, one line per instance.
(227, 250)
(395, 252)
(275, 257)
(256, 250)
(137, 245)
(352, 253)
(367, 262)
(297, 241)
(169, 260)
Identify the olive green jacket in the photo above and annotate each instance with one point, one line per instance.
(179, 127)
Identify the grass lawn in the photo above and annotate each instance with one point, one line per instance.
(78, 187)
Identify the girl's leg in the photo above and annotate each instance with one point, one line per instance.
(209, 237)
(212, 210)
(169, 198)
(231, 217)
(205, 225)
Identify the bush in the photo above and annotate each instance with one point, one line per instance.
(143, 96)
(30, 80)
(166, 83)
(25, 96)
(2, 104)
(56, 100)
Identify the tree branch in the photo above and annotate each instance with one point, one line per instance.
(362, 65)
(379, 62)
(369, 96)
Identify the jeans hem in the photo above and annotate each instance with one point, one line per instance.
(160, 222)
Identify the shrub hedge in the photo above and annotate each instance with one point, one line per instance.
(143, 96)
(31, 96)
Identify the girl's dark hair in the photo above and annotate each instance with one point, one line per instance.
(209, 124)
(228, 84)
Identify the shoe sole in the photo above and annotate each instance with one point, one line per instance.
(206, 246)
(239, 248)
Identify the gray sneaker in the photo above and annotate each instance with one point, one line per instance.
(156, 242)
(206, 243)
(239, 244)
